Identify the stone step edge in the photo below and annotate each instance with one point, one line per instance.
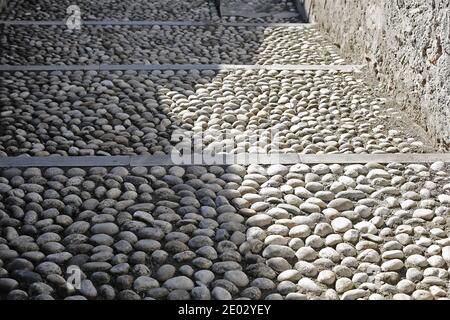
(202, 160)
(153, 23)
(152, 67)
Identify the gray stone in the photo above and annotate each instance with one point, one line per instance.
(179, 283)
(219, 293)
(144, 283)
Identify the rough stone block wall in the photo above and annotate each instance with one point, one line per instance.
(406, 44)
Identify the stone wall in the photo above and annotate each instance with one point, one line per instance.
(405, 43)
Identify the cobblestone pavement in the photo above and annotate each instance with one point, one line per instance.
(297, 231)
(167, 44)
(158, 10)
(122, 113)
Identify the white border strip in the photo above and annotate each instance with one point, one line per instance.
(150, 67)
(245, 159)
(154, 23)
(376, 158)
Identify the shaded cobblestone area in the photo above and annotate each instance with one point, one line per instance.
(122, 113)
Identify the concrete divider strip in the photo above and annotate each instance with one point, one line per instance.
(151, 67)
(227, 159)
(154, 23)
